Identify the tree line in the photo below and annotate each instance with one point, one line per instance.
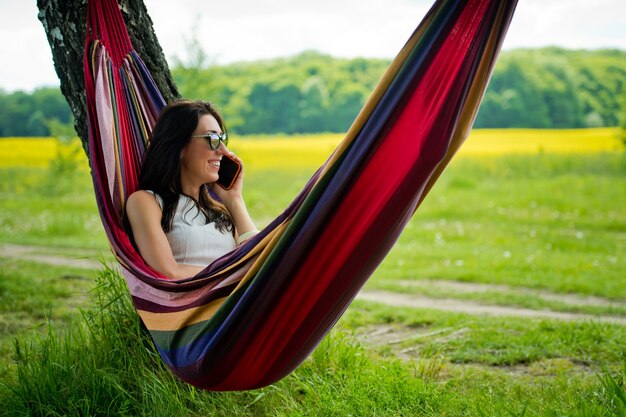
(313, 92)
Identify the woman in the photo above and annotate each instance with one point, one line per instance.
(178, 227)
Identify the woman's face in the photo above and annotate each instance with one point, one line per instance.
(199, 163)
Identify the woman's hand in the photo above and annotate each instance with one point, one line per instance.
(233, 200)
(235, 194)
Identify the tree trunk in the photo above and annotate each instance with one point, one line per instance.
(64, 24)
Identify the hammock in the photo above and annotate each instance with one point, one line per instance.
(255, 314)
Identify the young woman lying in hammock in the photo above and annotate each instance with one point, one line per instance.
(177, 226)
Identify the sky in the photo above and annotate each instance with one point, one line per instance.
(243, 30)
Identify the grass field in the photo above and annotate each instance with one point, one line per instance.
(523, 219)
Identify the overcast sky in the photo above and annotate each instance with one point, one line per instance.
(239, 30)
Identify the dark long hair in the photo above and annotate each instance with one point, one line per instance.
(160, 171)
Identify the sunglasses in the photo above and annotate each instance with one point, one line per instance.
(214, 139)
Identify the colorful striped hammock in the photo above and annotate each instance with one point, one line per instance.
(255, 314)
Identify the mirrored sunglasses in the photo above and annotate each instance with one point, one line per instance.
(214, 139)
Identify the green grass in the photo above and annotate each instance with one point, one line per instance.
(106, 365)
(85, 371)
(42, 207)
(544, 221)
(489, 340)
(33, 294)
(515, 220)
(549, 223)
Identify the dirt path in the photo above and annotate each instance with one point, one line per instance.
(464, 306)
(52, 256)
(472, 287)
(89, 260)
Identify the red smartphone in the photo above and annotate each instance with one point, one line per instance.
(228, 172)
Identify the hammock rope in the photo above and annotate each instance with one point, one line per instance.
(255, 314)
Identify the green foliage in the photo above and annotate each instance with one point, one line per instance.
(23, 114)
(309, 92)
(555, 88)
(312, 92)
(64, 132)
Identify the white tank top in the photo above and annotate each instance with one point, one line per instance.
(193, 241)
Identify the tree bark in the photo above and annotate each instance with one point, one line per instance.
(64, 24)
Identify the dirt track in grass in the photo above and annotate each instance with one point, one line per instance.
(92, 260)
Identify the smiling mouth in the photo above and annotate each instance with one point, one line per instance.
(215, 163)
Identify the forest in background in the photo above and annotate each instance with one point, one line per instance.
(313, 92)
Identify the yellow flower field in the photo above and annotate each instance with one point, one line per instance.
(528, 141)
(27, 152)
(309, 151)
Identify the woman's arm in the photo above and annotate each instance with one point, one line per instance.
(236, 206)
(243, 223)
(144, 214)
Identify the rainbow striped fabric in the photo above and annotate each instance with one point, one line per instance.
(254, 315)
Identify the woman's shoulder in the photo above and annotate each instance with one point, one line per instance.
(143, 199)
